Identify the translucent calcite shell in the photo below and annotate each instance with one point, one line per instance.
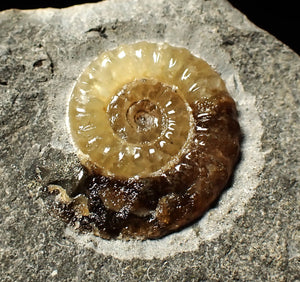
(158, 134)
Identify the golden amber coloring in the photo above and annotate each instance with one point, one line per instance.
(158, 132)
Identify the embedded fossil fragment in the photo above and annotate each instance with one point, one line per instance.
(158, 134)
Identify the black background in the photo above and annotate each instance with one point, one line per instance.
(280, 18)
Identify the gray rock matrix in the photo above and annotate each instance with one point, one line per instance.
(42, 52)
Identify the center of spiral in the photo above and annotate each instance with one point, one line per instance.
(135, 112)
(143, 115)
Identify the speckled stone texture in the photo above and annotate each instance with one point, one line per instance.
(42, 52)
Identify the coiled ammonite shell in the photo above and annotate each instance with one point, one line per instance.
(158, 134)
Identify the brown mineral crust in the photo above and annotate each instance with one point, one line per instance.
(154, 206)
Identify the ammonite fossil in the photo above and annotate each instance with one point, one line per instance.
(157, 132)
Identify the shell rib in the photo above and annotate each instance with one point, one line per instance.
(158, 134)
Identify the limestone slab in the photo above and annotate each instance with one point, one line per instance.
(251, 233)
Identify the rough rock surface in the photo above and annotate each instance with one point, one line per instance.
(252, 233)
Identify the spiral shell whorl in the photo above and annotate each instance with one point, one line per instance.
(107, 90)
(158, 131)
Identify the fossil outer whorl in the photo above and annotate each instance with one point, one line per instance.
(158, 133)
